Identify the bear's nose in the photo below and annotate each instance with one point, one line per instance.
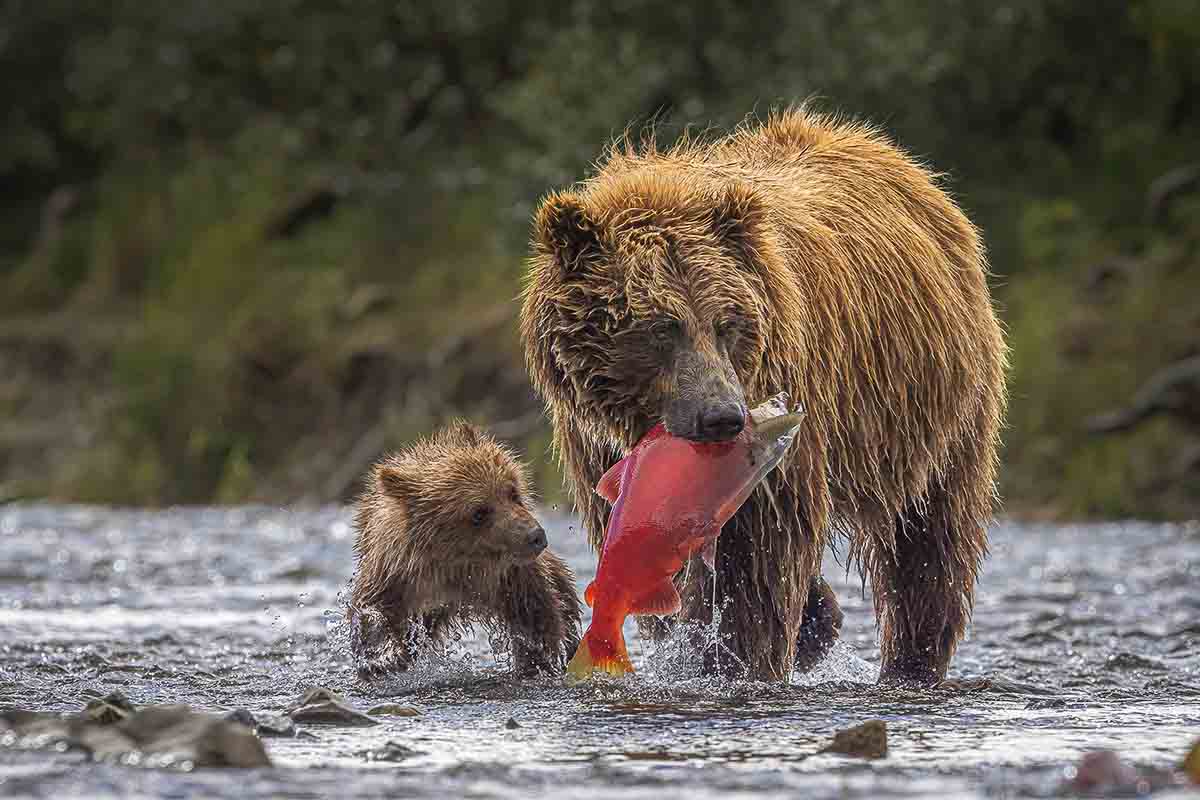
(537, 540)
(719, 423)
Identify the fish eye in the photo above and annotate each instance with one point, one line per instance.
(480, 515)
(514, 495)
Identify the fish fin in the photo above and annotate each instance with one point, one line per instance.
(589, 594)
(610, 482)
(708, 553)
(660, 601)
(611, 658)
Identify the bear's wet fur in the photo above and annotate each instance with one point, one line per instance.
(447, 537)
(803, 254)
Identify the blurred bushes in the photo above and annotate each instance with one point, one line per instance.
(257, 242)
(1088, 340)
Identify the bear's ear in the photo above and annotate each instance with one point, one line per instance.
(465, 433)
(738, 216)
(394, 483)
(566, 231)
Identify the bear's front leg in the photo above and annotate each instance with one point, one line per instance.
(386, 639)
(821, 626)
(541, 613)
(378, 642)
(763, 579)
(924, 590)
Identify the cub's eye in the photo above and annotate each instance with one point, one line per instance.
(480, 515)
(514, 495)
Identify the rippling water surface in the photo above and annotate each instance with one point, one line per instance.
(1084, 637)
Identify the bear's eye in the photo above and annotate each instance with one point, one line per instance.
(665, 331)
(514, 495)
(728, 328)
(480, 515)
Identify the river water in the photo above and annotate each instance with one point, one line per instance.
(1084, 637)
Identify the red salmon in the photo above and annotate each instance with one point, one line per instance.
(670, 498)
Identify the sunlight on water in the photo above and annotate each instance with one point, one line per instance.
(1084, 637)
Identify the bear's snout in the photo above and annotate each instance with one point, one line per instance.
(706, 402)
(536, 541)
(721, 422)
(524, 538)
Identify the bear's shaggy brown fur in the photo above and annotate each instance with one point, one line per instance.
(447, 536)
(807, 255)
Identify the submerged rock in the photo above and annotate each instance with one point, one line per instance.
(321, 706)
(1046, 703)
(318, 694)
(109, 709)
(1130, 662)
(868, 740)
(188, 736)
(390, 751)
(394, 710)
(242, 717)
(265, 725)
(161, 736)
(35, 730)
(330, 713)
(275, 725)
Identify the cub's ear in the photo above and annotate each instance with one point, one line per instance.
(393, 483)
(564, 230)
(739, 216)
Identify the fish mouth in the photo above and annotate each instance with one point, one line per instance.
(774, 430)
(781, 427)
(773, 433)
(773, 420)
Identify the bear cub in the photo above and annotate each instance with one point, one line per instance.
(446, 536)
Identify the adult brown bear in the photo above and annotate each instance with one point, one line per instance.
(805, 255)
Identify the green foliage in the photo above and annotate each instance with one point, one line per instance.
(1089, 325)
(306, 221)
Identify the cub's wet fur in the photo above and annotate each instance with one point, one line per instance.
(447, 537)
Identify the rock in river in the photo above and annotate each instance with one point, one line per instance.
(154, 736)
(322, 707)
(390, 751)
(868, 740)
(111, 708)
(393, 710)
(265, 725)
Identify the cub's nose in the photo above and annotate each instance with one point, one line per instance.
(537, 541)
(720, 423)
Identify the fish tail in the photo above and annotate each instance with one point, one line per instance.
(599, 654)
